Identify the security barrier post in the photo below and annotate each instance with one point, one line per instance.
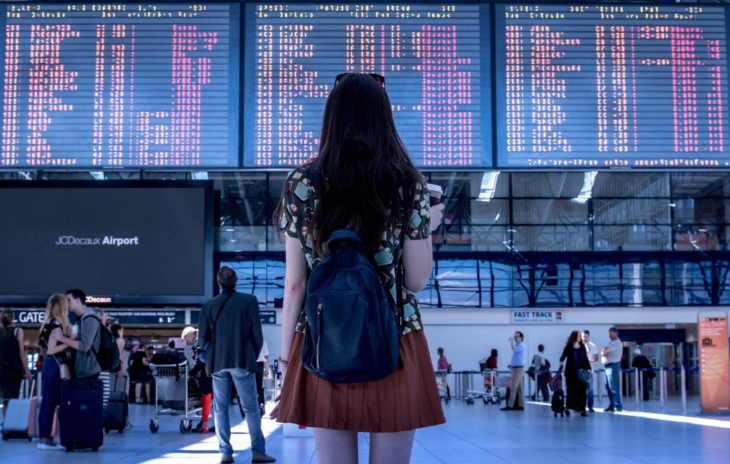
(636, 385)
(684, 390)
(661, 386)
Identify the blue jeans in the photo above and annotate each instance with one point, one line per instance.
(542, 387)
(245, 382)
(614, 394)
(51, 396)
(589, 392)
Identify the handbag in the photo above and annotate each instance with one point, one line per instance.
(63, 369)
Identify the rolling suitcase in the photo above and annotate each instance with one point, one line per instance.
(81, 415)
(16, 418)
(116, 412)
(558, 403)
(34, 430)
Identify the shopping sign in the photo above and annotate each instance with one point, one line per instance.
(714, 362)
(537, 317)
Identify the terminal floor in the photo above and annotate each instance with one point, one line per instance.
(473, 434)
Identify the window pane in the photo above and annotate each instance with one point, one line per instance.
(547, 184)
(631, 185)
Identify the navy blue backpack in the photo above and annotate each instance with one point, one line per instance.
(351, 333)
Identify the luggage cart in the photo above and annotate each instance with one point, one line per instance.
(443, 386)
(504, 381)
(491, 393)
(173, 387)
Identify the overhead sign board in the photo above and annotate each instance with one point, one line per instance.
(538, 317)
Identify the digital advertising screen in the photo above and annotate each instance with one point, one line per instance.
(58, 235)
(611, 86)
(434, 57)
(120, 85)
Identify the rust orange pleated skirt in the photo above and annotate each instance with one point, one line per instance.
(407, 399)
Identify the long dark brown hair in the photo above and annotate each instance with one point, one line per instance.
(361, 166)
(574, 337)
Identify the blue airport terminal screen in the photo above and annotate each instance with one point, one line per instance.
(120, 85)
(604, 86)
(435, 60)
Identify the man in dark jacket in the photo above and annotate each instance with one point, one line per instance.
(230, 323)
(642, 362)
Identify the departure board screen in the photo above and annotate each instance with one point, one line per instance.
(435, 60)
(606, 86)
(120, 85)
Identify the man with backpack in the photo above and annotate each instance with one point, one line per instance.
(89, 342)
(231, 324)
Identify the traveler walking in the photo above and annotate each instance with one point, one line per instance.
(140, 372)
(262, 366)
(592, 352)
(13, 360)
(577, 371)
(516, 400)
(117, 380)
(611, 358)
(539, 364)
(442, 368)
(88, 344)
(120, 381)
(230, 323)
(56, 320)
(363, 184)
(205, 382)
(642, 362)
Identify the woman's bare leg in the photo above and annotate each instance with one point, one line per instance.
(336, 446)
(391, 448)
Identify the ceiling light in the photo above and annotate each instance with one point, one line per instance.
(229, 230)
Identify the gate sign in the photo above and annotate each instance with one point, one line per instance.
(537, 317)
(714, 366)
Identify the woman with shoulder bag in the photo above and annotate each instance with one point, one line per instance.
(362, 181)
(13, 360)
(56, 367)
(577, 372)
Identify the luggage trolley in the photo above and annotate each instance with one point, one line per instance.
(491, 393)
(442, 385)
(177, 398)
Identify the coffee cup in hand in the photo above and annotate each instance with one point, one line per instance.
(435, 192)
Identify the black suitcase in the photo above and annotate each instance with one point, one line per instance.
(558, 403)
(81, 414)
(116, 412)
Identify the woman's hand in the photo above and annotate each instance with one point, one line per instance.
(275, 412)
(120, 374)
(28, 375)
(437, 215)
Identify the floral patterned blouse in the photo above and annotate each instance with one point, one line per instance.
(299, 205)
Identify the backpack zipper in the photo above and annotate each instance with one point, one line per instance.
(319, 332)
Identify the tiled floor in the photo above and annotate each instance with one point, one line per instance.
(473, 434)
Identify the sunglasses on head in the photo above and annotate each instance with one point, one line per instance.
(380, 79)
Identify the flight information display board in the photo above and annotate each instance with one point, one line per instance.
(603, 86)
(120, 85)
(435, 60)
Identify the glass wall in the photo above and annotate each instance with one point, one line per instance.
(518, 239)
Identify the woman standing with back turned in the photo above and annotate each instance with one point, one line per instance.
(13, 361)
(365, 182)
